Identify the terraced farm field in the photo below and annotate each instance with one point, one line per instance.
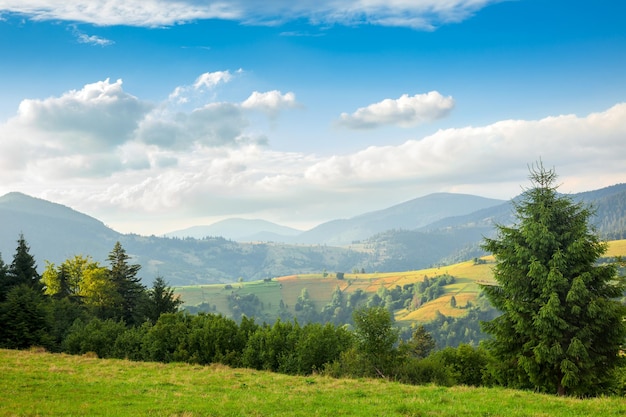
(466, 288)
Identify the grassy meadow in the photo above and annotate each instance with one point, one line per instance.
(466, 288)
(35, 383)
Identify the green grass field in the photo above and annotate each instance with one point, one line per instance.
(41, 384)
(465, 289)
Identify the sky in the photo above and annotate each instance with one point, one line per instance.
(157, 115)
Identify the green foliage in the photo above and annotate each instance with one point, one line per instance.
(419, 345)
(161, 300)
(305, 309)
(4, 280)
(561, 328)
(454, 331)
(376, 338)
(23, 269)
(97, 336)
(127, 285)
(66, 279)
(26, 319)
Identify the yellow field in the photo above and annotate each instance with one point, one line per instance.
(617, 248)
(465, 289)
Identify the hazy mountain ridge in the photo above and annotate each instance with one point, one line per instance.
(249, 230)
(407, 215)
(56, 232)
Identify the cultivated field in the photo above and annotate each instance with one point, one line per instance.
(42, 384)
(466, 288)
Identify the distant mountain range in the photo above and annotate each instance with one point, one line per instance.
(241, 230)
(430, 230)
(409, 215)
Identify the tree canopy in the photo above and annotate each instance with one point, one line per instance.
(562, 328)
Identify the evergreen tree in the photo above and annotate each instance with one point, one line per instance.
(127, 284)
(26, 319)
(420, 345)
(161, 299)
(561, 329)
(4, 280)
(23, 269)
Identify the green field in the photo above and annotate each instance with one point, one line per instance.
(42, 384)
(465, 289)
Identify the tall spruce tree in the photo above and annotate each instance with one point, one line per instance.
(4, 280)
(23, 269)
(562, 328)
(161, 300)
(128, 285)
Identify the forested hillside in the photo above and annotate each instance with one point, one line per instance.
(56, 232)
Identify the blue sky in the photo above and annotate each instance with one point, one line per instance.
(157, 115)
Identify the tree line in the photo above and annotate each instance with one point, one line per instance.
(40, 310)
(562, 327)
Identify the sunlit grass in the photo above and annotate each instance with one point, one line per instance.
(42, 384)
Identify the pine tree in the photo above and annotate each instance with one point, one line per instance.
(128, 285)
(4, 280)
(561, 329)
(161, 299)
(23, 269)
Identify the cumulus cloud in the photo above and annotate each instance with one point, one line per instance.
(489, 160)
(420, 14)
(98, 116)
(270, 102)
(211, 79)
(494, 152)
(101, 129)
(405, 111)
(215, 124)
(103, 151)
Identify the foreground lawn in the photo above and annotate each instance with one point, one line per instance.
(40, 384)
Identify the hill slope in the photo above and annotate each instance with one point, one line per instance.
(100, 387)
(56, 232)
(409, 215)
(53, 231)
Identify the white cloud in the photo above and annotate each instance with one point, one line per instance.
(97, 117)
(405, 111)
(93, 40)
(204, 83)
(270, 102)
(100, 129)
(90, 40)
(215, 124)
(110, 154)
(494, 153)
(421, 14)
(211, 79)
(151, 13)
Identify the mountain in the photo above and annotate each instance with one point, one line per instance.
(242, 230)
(432, 230)
(407, 216)
(54, 232)
(458, 238)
